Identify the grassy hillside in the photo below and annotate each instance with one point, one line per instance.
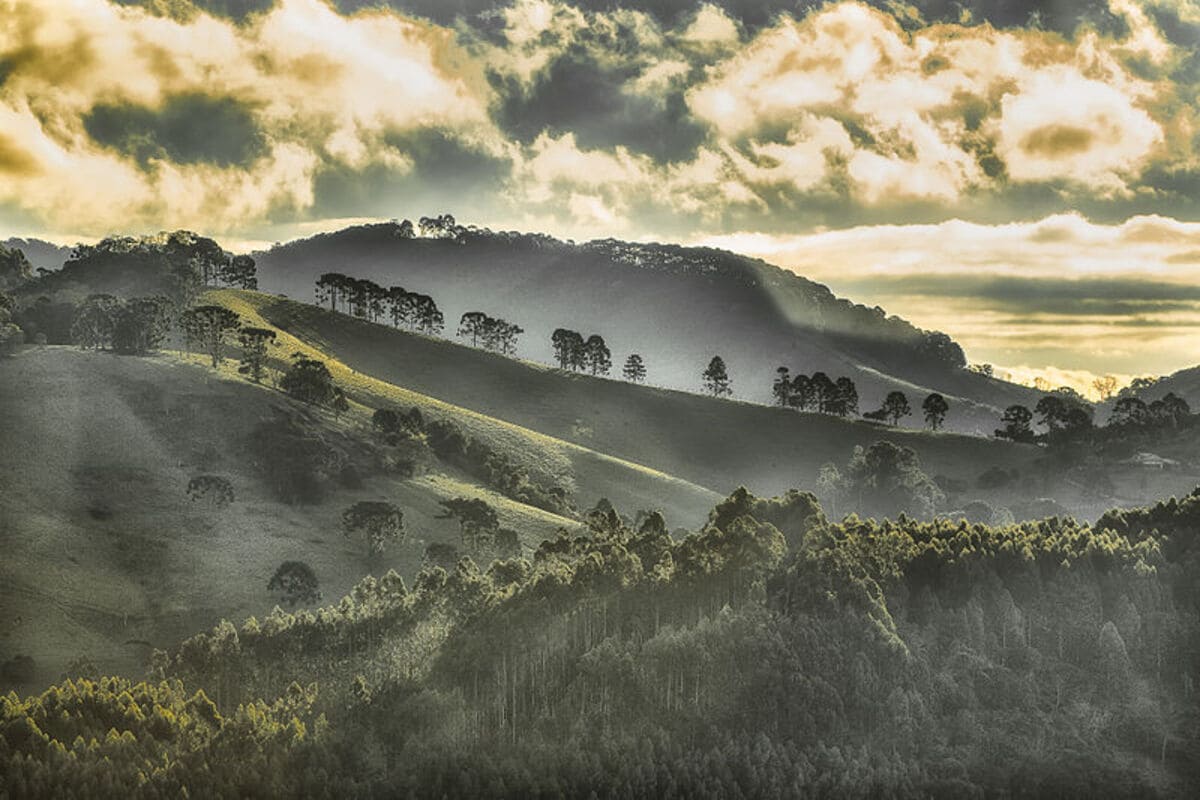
(675, 306)
(718, 444)
(106, 556)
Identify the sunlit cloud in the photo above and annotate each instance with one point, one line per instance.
(853, 143)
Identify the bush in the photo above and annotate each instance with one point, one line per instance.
(309, 381)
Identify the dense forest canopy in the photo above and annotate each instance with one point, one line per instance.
(772, 653)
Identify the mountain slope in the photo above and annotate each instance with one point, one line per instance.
(39, 253)
(676, 306)
(105, 555)
(716, 444)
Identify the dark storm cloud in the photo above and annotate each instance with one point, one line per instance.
(1063, 17)
(188, 129)
(445, 175)
(580, 96)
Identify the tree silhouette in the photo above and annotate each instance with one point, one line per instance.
(1053, 412)
(379, 522)
(95, 321)
(1129, 412)
(716, 379)
(845, 398)
(822, 391)
(211, 326)
(142, 324)
(634, 369)
(308, 380)
(1017, 420)
(477, 520)
(801, 394)
(238, 271)
(473, 324)
(895, 406)
(255, 343)
(935, 408)
(568, 348)
(781, 390)
(597, 356)
(295, 582)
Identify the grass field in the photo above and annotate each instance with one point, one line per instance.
(105, 555)
(717, 444)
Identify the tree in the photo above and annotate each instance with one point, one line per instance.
(211, 326)
(1129, 412)
(887, 479)
(213, 489)
(473, 324)
(477, 520)
(255, 343)
(716, 379)
(339, 403)
(801, 395)
(295, 582)
(895, 406)
(96, 321)
(1017, 421)
(1171, 409)
(142, 324)
(406, 230)
(568, 348)
(634, 369)
(935, 408)
(379, 522)
(10, 334)
(844, 401)
(1105, 386)
(426, 317)
(308, 380)
(821, 392)
(15, 268)
(332, 287)
(506, 337)
(597, 356)
(1053, 412)
(781, 390)
(238, 271)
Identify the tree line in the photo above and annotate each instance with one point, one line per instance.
(1068, 419)
(771, 653)
(368, 300)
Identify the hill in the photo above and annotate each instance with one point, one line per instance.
(714, 444)
(676, 306)
(105, 555)
(39, 253)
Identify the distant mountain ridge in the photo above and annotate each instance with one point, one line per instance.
(39, 253)
(676, 306)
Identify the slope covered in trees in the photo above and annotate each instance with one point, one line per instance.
(675, 306)
(771, 653)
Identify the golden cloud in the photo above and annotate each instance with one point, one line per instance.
(321, 87)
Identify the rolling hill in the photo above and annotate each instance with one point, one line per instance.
(105, 555)
(676, 306)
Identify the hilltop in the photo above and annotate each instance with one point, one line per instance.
(676, 306)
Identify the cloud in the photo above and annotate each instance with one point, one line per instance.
(123, 119)
(1061, 290)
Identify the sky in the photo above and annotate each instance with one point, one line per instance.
(1023, 176)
